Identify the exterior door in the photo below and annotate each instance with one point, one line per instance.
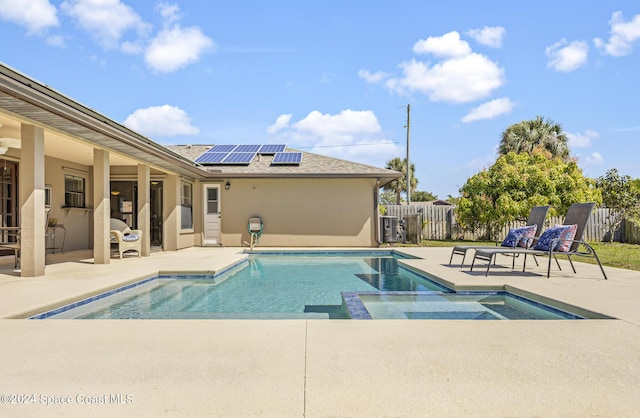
(156, 213)
(212, 215)
(8, 201)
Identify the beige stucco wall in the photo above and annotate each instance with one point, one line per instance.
(300, 212)
(78, 223)
(295, 212)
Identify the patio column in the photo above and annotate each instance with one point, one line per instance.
(32, 213)
(144, 207)
(101, 207)
(171, 208)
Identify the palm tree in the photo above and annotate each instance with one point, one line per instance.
(528, 135)
(400, 185)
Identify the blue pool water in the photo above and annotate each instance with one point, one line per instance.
(287, 286)
(267, 286)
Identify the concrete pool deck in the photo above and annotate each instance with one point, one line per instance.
(318, 368)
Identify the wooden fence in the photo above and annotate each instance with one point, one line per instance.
(439, 222)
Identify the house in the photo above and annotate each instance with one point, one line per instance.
(63, 161)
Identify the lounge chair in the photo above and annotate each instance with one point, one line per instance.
(126, 238)
(555, 240)
(537, 216)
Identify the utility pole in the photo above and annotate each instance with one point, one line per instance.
(408, 164)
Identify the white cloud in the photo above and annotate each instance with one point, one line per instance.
(567, 57)
(595, 158)
(461, 76)
(372, 78)
(490, 110)
(351, 135)
(105, 20)
(447, 45)
(133, 47)
(282, 122)
(176, 48)
(489, 36)
(623, 35)
(161, 121)
(55, 40)
(458, 80)
(169, 12)
(35, 15)
(582, 140)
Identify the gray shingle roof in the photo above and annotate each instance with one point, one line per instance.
(312, 165)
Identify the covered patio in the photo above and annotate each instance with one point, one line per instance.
(65, 156)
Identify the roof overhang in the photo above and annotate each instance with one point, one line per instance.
(28, 100)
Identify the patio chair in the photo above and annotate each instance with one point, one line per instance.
(126, 238)
(10, 238)
(554, 241)
(11, 241)
(537, 215)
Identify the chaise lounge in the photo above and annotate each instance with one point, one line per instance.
(537, 215)
(563, 239)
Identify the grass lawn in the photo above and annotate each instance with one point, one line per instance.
(626, 256)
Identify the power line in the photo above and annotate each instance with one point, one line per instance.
(346, 145)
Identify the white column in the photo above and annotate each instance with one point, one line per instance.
(32, 213)
(171, 208)
(144, 207)
(101, 207)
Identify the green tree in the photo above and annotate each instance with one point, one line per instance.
(400, 185)
(538, 133)
(515, 183)
(621, 195)
(423, 196)
(388, 197)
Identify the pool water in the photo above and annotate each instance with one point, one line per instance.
(472, 305)
(268, 286)
(341, 285)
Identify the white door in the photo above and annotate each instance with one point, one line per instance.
(212, 215)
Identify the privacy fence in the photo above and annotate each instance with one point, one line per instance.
(439, 222)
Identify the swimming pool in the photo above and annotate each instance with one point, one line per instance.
(286, 285)
(268, 285)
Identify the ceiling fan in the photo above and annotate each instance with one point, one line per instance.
(6, 143)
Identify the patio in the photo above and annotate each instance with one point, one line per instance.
(316, 368)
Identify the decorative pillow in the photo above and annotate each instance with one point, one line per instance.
(515, 235)
(512, 238)
(566, 238)
(130, 237)
(527, 236)
(548, 241)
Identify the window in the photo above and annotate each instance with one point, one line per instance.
(212, 200)
(186, 216)
(48, 195)
(73, 191)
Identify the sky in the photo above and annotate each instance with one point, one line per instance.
(337, 77)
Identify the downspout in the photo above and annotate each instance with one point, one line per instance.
(376, 213)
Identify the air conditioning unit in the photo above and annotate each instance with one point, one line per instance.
(389, 229)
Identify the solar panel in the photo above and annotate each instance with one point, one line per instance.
(287, 158)
(272, 148)
(247, 148)
(222, 148)
(239, 158)
(211, 157)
